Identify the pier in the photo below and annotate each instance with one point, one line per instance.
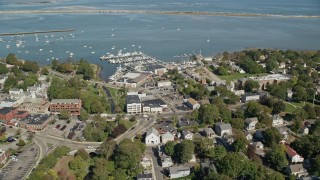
(37, 32)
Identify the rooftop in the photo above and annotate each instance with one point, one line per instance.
(154, 103)
(131, 75)
(192, 101)
(250, 120)
(65, 101)
(291, 152)
(176, 169)
(6, 110)
(224, 126)
(152, 67)
(152, 131)
(36, 119)
(272, 77)
(142, 176)
(130, 99)
(296, 168)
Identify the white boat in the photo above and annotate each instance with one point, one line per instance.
(93, 52)
(7, 46)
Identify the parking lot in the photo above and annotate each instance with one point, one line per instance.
(19, 166)
(61, 128)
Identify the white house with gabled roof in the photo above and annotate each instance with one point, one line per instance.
(152, 137)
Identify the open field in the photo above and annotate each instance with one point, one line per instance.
(238, 76)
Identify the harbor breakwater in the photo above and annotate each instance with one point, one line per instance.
(36, 32)
(193, 13)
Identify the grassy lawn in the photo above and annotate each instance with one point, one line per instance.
(236, 76)
(290, 108)
(128, 124)
(113, 92)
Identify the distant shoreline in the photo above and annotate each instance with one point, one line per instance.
(193, 13)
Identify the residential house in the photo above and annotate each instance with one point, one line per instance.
(147, 176)
(134, 105)
(293, 155)
(3, 78)
(305, 130)
(163, 83)
(165, 126)
(178, 172)
(223, 129)
(250, 97)
(186, 122)
(277, 120)
(284, 132)
(204, 102)
(167, 136)
(166, 161)
(248, 136)
(208, 132)
(297, 170)
(152, 137)
(186, 134)
(251, 123)
(3, 157)
(193, 104)
(289, 94)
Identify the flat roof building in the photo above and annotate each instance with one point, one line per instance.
(133, 104)
(71, 105)
(35, 122)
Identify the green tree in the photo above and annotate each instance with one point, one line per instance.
(79, 166)
(10, 83)
(3, 69)
(271, 65)
(251, 86)
(120, 174)
(208, 114)
(315, 165)
(107, 148)
(299, 94)
(311, 113)
(278, 107)
(272, 136)
(64, 114)
(277, 158)
(237, 123)
(44, 71)
(11, 58)
(103, 169)
(184, 151)
(240, 144)
(83, 115)
(21, 142)
(222, 71)
(169, 148)
(82, 153)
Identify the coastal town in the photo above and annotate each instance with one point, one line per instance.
(252, 114)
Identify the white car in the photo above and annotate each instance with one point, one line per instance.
(90, 147)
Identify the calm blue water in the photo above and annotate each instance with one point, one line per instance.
(161, 36)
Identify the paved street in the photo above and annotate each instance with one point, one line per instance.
(20, 168)
(157, 168)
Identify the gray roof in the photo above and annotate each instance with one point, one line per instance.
(152, 131)
(36, 119)
(154, 103)
(132, 99)
(296, 168)
(250, 120)
(176, 169)
(142, 176)
(65, 101)
(186, 132)
(224, 126)
(276, 116)
(6, 110)
(208, 130)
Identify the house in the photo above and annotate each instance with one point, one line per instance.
(165, 126)
(152, 137)
(223, 129)
(258, 145)
(248, 136)
(193, 104)
(3, 78)
(186, 122)
(293, 155)
(251, 123)
(134, 105)
(208, 132)
(289, 93)
(146, 163)
(250, 97)
(297, 170)
(166, 161)
(147, 176)
(204, 102)
(167, 136)
(277, 120)
(178, 172)
(3, 157)
(305, 130)
(186, 134)
(283, 131)
(15, 91)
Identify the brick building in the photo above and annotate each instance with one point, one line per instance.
(35, 122)
(71, 105)
(9, 113)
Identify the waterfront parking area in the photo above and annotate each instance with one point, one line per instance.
(18, 167)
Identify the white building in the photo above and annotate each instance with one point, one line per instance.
(251, 123)
(146, 163)
(133, 104)
(3, 78)
(293, 155)
(178, 172)
(250, 97)
(193, 104)
(153, 106)
(186, 134)
(163, 83)
(15, 91)
(166, 137)
(277, 120)
(152, 137)
(166, 161)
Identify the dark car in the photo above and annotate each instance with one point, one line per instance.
(10, 139)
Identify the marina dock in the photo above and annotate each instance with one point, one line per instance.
(37, 32)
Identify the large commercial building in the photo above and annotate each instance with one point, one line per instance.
(7, 114)
(134, 105)
(71, 105)
(35, 122)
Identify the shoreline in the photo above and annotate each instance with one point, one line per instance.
(191, 13)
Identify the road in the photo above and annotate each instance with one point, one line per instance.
(151, 151)
(19, 169)
(212, 76)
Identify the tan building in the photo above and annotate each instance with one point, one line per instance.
(71, 105)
